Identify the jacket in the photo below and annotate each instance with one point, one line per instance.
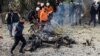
(43, 15)
(12, 18)
(93, 10)
(49, 9)
(19, 29)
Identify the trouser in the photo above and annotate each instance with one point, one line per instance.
(10, 29)
(93, 19)
(17, 40)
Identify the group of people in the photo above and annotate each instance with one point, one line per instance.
(15, 25)
(42, 14)
(95, 10)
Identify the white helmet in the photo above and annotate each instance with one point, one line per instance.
(42, 4)
(38, 3)
(37, 8)
(47, 4)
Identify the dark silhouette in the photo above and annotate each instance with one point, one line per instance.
(98, 11)
(93, 14)
(19, 37)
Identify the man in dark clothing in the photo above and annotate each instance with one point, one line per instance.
(0, 9)
(0, 16)
(93, 14)
(12, 20)
(31, 16)
(8, 18)
(98, 10)
(16, 17)
(19, 37)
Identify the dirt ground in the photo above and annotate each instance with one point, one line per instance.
(79, 33)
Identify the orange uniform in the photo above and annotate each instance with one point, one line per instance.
(49, 9)
(43, 15)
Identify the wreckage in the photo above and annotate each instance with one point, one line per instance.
(39, 38)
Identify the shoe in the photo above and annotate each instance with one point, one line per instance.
(21, 52)
(31, 50)
(11, 52)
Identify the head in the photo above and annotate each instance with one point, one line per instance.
(32, 8)
(47, 4)
(11, 11)
(38, 3)
(93, 4)
(42, 4)
(22, 20)
(37, 8)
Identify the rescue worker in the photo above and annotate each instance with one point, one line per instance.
(38, 18)
(93, 14)
(49, 10)
(38, 3)
(38, 13)
(43, 15)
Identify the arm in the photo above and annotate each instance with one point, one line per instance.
(6, 16)
(19, 15)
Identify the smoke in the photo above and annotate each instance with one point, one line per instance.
(67, 14)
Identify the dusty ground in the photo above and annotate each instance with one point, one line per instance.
(79, 33)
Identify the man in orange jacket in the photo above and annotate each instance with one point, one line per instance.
(49, 10)
(42, 15)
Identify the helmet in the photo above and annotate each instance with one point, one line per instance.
(47, 4)
(42, 4)
(37, 8)
(38, 3)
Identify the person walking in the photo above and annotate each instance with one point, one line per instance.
(19, 36)
(15, 20)
(8, 18)
(98, 11)
(12, 19)
(93, 14)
